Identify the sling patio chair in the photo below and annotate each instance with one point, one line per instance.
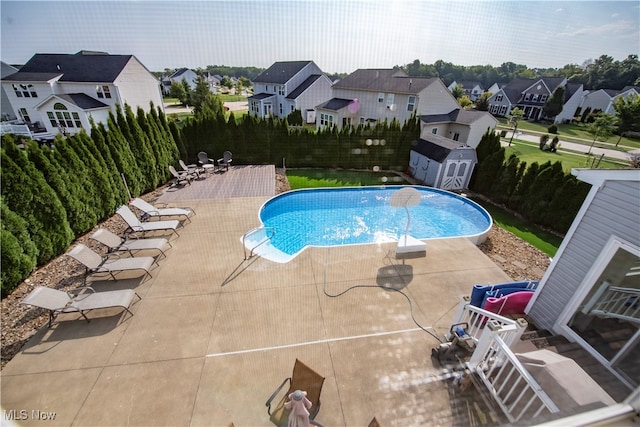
(87, 299)
(180, 178)
(111, 264)
(113, 242)
(206, 163)
(160, 212)
(303, 378)
(137, 226)
(225, 161)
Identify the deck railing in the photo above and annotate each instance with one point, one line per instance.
(15, 129)
(616, 302)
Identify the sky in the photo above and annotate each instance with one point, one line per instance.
(339, 36)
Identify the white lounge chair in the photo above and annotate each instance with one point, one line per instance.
(136, 226)
(109, 265)
(67, 302)
(160, 212)
(117, 243)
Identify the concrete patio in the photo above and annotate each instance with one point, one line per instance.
(214, 335)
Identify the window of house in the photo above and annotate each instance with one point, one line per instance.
(380, 97)
(411, 104)
(498, 98)
(24, 91)
(24, 115)
(390, 98)
(503, 110)
(434, 131)
(62, 117)
(103, 91)
(280, 108)
(52, 119)
(543, 98)
(456, 136)
(326, 119)
(535, 97)
(527, 96)
(292, 108)
(280, 90)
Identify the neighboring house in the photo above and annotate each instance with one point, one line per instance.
(288, 86)
(61, 93)
(603, 99)
(369, 95)
(591, 291)
(7, 111)
(530, 95)
(494, 88)
(178, 76)
(465, 126)
(471, 89)
(442, 163)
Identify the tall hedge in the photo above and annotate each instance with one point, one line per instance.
(18, 253)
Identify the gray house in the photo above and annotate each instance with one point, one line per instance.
(442, 162)
(591, 292)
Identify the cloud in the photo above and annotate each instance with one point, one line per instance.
(613, 27)
(560, 10)
(615, 15)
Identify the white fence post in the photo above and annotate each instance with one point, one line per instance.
(484, 343)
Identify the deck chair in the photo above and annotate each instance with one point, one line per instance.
(68, 302)
(193, 170)
(109, 265)
(180, 178)
(113, 242)
(225, 161)
(303, 378)
(136, 226)
(159, 213)
(205, 162)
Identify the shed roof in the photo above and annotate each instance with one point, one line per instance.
(436, 147)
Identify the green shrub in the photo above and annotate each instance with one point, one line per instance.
(552, 129)
(18, 250)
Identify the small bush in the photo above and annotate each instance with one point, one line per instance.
(552, 129)
(543, 141)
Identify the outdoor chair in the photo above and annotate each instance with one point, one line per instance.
(161, 212)
(136, 226)
(303, 378)
(193, 170)
(111, 264)
(116, 243)
(180, 178)
(225, 161)
(57, 301)
(205, 162)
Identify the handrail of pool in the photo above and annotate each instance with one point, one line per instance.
(266, 239)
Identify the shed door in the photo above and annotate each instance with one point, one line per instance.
(455, 176)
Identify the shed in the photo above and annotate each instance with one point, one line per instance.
(442, 162)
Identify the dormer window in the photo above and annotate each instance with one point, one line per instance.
(24, 91)
(281, 90)
(103, 91)
(527, 96)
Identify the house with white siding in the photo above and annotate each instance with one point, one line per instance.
(530, 95)
(367, 96)
(61, 93)
(288, 86)
(590, 293)
(178, 76)
(472, 89)
(603, 99)
(7, 111)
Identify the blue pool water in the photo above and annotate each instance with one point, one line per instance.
(359, 215)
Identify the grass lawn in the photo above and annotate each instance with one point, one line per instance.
(530, 152)
(546, 242)
(571, 132)
(315, 178)
(231, 98)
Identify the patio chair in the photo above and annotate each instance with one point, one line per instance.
(136, 226)
(160, 212)
(109, 265)
(205, 162)
(303, 378)
(194, 170)
(180, 178)
(57, 301)
(113, 242)
(225, 161)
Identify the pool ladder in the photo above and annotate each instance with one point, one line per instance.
(269, 233)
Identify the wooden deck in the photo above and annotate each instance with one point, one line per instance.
(238, 181)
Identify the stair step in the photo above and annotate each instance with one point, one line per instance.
(538, 333)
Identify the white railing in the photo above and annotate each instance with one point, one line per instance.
(616, 302)
(269, 232)
(515, 391)
(15, 129)
(476, 319)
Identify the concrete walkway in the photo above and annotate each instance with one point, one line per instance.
(213, 335)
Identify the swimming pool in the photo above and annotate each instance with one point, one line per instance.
(360, 215)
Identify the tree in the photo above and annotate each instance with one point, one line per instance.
(18, 250)
(514, 117)
(226, 82)
(176, 90)
(602, 127)
(628, 113)
(482, 103)
(555, 103)
(465, 102)
(187, 92)
(199, 94)
(458, 91)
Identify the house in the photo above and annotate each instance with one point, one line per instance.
(530, 95)
(472, 89)
(445, 156)
(61, 93)
(603, 99)
(369, 95)
(7, 111)
(442, 163)
(288, 86)
(591, 291)
(178, 76)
